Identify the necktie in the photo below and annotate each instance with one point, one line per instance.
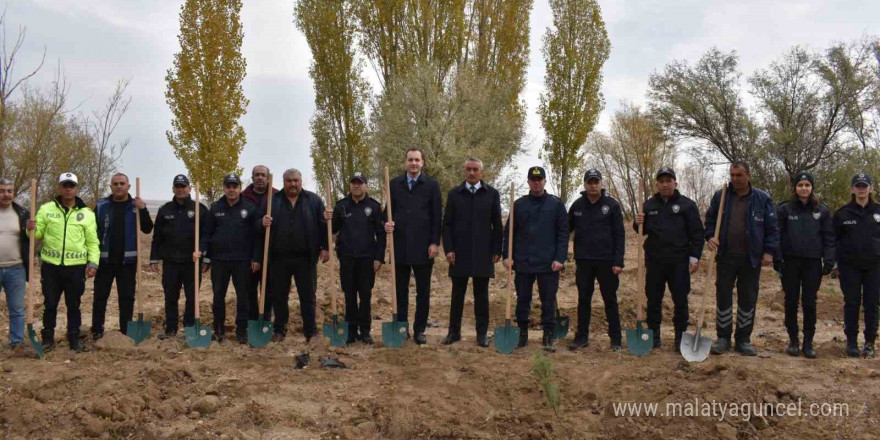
(473, 189)
(411, 182)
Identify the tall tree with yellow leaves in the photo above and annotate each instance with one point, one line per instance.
(204, 92)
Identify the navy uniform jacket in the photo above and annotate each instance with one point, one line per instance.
(674, 229)
(360, 227)
(598, 229)
(540, 233)
(806, 231)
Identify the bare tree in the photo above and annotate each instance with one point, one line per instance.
(697, 182)
(102, 127)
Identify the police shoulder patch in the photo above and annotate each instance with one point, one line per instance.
(368, 211)
(190, 214)
(675, 209)
(605, 209)
(244, 213)
(80, 216)
(816, 215)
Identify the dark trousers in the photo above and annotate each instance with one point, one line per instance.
(422, 273)
(548, 284)
(304, 274)
(588, 271)
(125, 276)
(253, 310)
(69, 281)
(357, 276)
(240, 272)
(736, 269)
(481, 304)
(174, 276)
(678, 277)
(801, 278)
(861, 287)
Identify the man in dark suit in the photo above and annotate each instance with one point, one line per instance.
(416, 204)
(472, 242)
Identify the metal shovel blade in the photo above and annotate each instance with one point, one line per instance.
(561, 325)
(394, 332)
(506, 337)
(32, 335)
(197, 335)
(138, 330)
(695, 347)
(336, 331)
(639, 341)
(259, 332)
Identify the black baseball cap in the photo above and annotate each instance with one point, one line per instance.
(232, 178)
(804, 176)
(358, 176)
(181, 180)
(666, 171)
(537, 173)
(861, 178)
(592, 173)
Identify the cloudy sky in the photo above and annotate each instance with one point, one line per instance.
(98, 42)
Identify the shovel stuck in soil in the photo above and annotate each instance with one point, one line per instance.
(507, 336)
(560, 325)
(29, 292)
(394, 332)
(138, 330)
(197, 335)
(260, 331)
(641, 340)
(335, 330)
(695, 347)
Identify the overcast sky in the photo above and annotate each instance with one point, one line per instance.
(100, 41)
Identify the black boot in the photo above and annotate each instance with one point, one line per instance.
(615, 344)
(482, 340)
(808, 350)
(548, 341)
(868, 349)
(678, 340)
(720, 346)
(746, 348)
(657, 342)
(219, 334)
(73, 340)
(793, 349)
(852, 347)
(451, 338)
(352, 335)
(48, 339)
(241, 335)
(581, 340)
(523, 336)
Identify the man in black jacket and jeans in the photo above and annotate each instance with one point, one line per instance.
(174, 244)
(298, 240)
(229, 241)
(417, 209)
(672, 251)
(540, 247)
(357, 219)
(597, 223)
(472, 242)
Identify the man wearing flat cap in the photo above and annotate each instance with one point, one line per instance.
(597, 223)
(540, 247)
(673, 247)
(228, 240)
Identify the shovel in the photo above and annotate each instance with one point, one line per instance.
(641, 340)
(394, 332)
(29, 293)
(560, 325)
(695, 347)
(260, 331)
(138, 330)
(197, 336)
(335, 330)
(507, 336)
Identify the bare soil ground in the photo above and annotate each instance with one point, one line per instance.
(163, 390)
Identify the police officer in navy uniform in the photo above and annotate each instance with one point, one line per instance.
(357, 219)
(599, 239)
(807, 237)
(857, 231)
(540, 247)
(229, 240)
(417, 208)
(673, 247)
(174, 244)
(472, 242)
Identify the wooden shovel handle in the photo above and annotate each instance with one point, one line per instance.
(391, 244)
(265, 251)
(137, 234)
(31, 250)
(196, 263)
(330, 250)
(509, 255)
(710, 263)
(640, 295)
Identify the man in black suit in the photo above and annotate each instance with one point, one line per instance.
(416, 204)
(472, 242)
